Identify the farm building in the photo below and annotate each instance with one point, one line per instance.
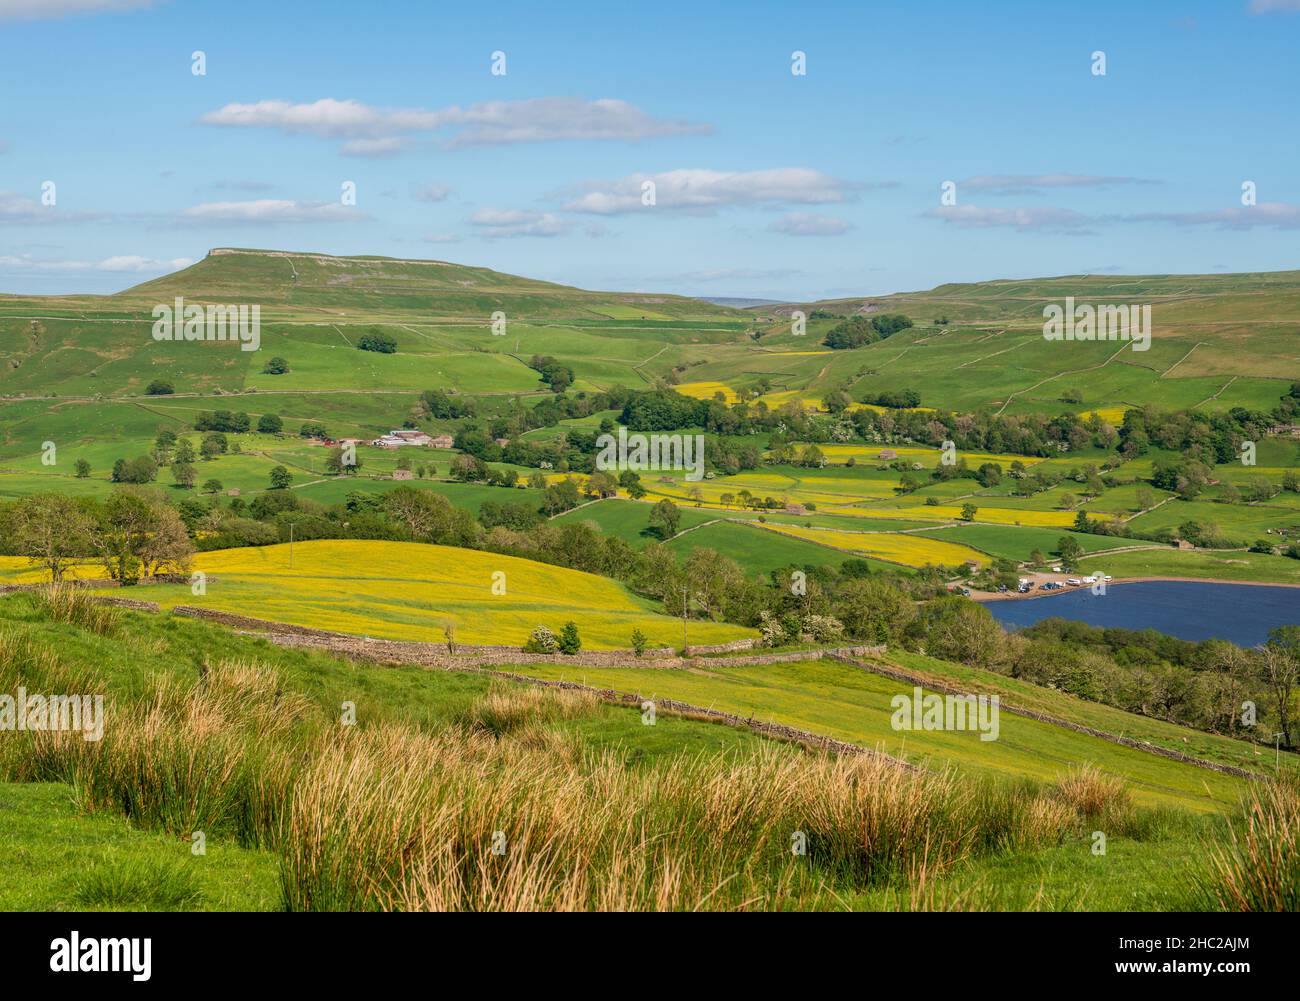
(398, 439)
(442, 441)
(403, 474)
(887, 453)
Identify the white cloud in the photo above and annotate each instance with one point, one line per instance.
(15, 208)
(1274, 6)
(699, 190)
(375, 131)
(1280, 215)
(499, 223)
(41, 10)
(375, 147)
(18, 210)
(270, 210)
(810, 224)
(123, 263)
(1036, 218)
(430, 192)
(1019, 184)
(132, 262)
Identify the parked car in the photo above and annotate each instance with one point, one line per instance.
(1074, 582)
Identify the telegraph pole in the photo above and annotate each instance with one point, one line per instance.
(685, 643)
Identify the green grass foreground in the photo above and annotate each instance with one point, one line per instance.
(467, 792)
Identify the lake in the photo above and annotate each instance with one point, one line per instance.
(1190, 610)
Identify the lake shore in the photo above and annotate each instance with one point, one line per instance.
(987, 596)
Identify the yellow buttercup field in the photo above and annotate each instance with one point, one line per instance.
(929, 457)
(895, 547)
(1111, 415)
(706, 390)
(409, 591)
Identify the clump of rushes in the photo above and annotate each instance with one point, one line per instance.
(65, 603)
(1256, 867)
(508, 807)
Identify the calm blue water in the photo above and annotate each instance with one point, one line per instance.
(1186, 609)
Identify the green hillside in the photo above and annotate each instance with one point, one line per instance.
(1219, 341)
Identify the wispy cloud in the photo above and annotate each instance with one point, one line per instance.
(270, 211)
(1025, 219)
(507, 223)
(123, 263)
(430, 192)
(18, 210)
(1274, 6)
(810, 224)
(705, 191)
(374, 131)
(44, 10)
(1023, 184)
(1277, 215)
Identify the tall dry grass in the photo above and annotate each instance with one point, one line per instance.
(505, 808)
(463, 820)
(65, 603)
(1256, 866)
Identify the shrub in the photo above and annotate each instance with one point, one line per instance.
(570, 643)
(160, 387)
(541, 640)
(375, 341)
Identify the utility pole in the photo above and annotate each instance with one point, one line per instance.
(685, 644)
(1277, 749)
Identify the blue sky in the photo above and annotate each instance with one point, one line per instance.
(767, 184)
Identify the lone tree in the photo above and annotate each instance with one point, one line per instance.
(570, 643)
(52, 531)
(276, 366)
(82, 469)
(1070, 550)
(280, 478)
(665, 518)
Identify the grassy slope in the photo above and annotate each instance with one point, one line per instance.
(57, 857)
(993, 352)
(839, 700)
